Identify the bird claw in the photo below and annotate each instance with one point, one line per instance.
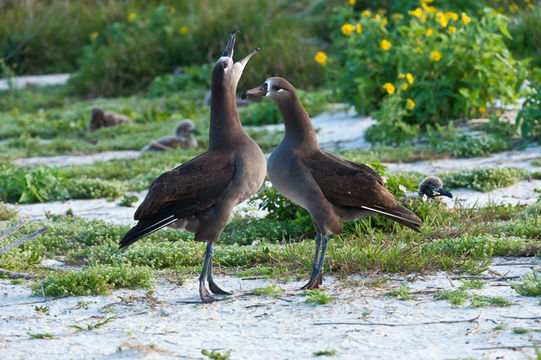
(216, 289)
(314, 282)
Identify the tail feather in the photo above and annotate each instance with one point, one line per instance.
(399, 214)
(154, 222)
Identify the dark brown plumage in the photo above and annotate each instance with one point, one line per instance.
(101, 119)
(333, 190)
(199, 195)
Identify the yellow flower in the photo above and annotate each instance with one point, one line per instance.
(451, 15)
(397, 16)
(429, 9)
(366, 13)
(389, 87)
(131, 16)
(417, 12)
(377, 17)
(452, 29)
(352, 2)
(531, 6)
(482, 109)
(183, 30)
(321, 58)
(347, 29)
(410, 104)
(405, 86)
(419, 50)
(359, 28)
(385, 45)
(500, 10)
(423, 18)
(401, 76)
(410, 78)
(442, 19)
(513, 8)
(383, 22)
(435, 55)
(94, 35)
(465, 18)
(429, 32)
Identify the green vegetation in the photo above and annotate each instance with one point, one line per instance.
(461, 295)
(401, 294)
(45, 336)
(272, 291)
(325, 353)
(215, 355)
(7, 212)
(317, 297)
(520, 331)
(529, 285)
(484, 179)
(422, 67)
(529, 117)
(94, 280)
(128, 200)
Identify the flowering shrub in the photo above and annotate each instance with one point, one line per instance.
(423, 67)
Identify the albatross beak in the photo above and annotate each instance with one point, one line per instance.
(442, 192)
(230, 44)
(245, 59)
(257, 92)
(195, 131)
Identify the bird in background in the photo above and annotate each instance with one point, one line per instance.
(432, 187)
(332, 189)
(183, 138)
(199, 195)
(100, 119)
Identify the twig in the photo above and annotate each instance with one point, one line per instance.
(506, 347)
(522, 318)
(412, 324)
(23, 240)
(450, 281)
(503, 278)
(36, 302)
(16, 275)
(494, 272)
(12, 230)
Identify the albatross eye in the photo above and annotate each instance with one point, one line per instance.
(275, 88)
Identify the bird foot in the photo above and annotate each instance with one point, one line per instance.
(216, 289)
(314, 283)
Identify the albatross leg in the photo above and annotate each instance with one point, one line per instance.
(212, 285)
(203, 292)
(316, 258)
(317, 279)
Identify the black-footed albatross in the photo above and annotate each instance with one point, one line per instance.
(101, 119)
(333, 190)
(199, 195)
(183, 138)
(432, 187)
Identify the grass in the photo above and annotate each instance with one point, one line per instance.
(317, 297)
(333, 352)
(401, 294)
(459, 296)
(529, 285)
(272, 291)
(45, 336)
(484, 179)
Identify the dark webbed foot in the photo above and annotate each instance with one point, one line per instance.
(314, 283)
(204, 294)
(206, 274)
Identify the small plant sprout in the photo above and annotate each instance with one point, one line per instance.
(317, 297)
(41, 309)
(215, 355)
(272, 291)
(501, 326)
(128, 200)
(402, 293)
(45, 336)
(326, 353)
(529, 285)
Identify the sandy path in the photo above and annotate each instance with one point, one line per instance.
(171, 324)
(35, 80)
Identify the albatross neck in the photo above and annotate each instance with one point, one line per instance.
(298, 126)
(225, 124)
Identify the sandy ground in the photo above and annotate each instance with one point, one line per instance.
(64, 160)
(35, 80)
(362, 322)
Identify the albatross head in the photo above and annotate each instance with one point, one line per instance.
(226, 72)
(274, 88)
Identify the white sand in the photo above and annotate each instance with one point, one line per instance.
(169, 326)
(35, 80)
(81, 159)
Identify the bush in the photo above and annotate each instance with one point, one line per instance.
(422, 68)
(94, 189)
(484, 179)
(127, 56)
(529, 117)
(31, 185)
(190, 77)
